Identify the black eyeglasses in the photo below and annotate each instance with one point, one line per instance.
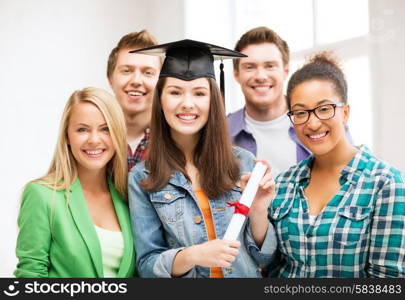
(322, 112)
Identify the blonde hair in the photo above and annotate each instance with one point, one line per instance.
(63, 169)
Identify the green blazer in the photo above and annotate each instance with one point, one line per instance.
(58, 239)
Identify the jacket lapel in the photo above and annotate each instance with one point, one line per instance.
(123, 217)
(80, 212)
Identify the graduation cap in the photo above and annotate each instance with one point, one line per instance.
(189, 60)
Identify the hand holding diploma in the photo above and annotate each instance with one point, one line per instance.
(265, 191)
(258, 191)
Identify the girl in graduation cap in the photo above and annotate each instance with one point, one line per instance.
(181, 197)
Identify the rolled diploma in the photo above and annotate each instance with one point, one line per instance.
(247, 197)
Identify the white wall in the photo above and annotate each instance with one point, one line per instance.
(387, 49)
(165, 19)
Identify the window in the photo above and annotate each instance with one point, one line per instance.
(291, 19)
(340, 20)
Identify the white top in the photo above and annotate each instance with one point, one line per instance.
(312, 219)
(134, 144)
(112, 250)
(273, 142)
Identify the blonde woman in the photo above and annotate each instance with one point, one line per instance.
(74, 221)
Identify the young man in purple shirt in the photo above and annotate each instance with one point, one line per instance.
(262, 125)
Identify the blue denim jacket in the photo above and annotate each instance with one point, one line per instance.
(164, 222)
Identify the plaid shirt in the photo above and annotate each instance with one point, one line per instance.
(359, 233)
(141, 151)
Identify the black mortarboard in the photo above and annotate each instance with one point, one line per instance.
(189, 60)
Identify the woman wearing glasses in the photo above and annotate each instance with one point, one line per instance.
(340, 212)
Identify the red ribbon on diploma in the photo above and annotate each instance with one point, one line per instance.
(239, 208)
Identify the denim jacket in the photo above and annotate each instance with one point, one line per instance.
(169, 220)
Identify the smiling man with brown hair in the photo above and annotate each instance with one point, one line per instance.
(132, 78)
(262, 125)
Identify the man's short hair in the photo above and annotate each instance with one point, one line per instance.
(260, 35)
(133, 40)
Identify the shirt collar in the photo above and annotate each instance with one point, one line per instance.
(304, 170)
(356, 165)
(351, 172)
(293, 136)
(176, 178)
(238, 122)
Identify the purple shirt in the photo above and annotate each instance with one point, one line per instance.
(241, 136)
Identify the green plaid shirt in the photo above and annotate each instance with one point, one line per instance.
(359, 233)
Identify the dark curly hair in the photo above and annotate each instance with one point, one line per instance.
(321, 66)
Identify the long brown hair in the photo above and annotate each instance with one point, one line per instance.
(213, 156)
